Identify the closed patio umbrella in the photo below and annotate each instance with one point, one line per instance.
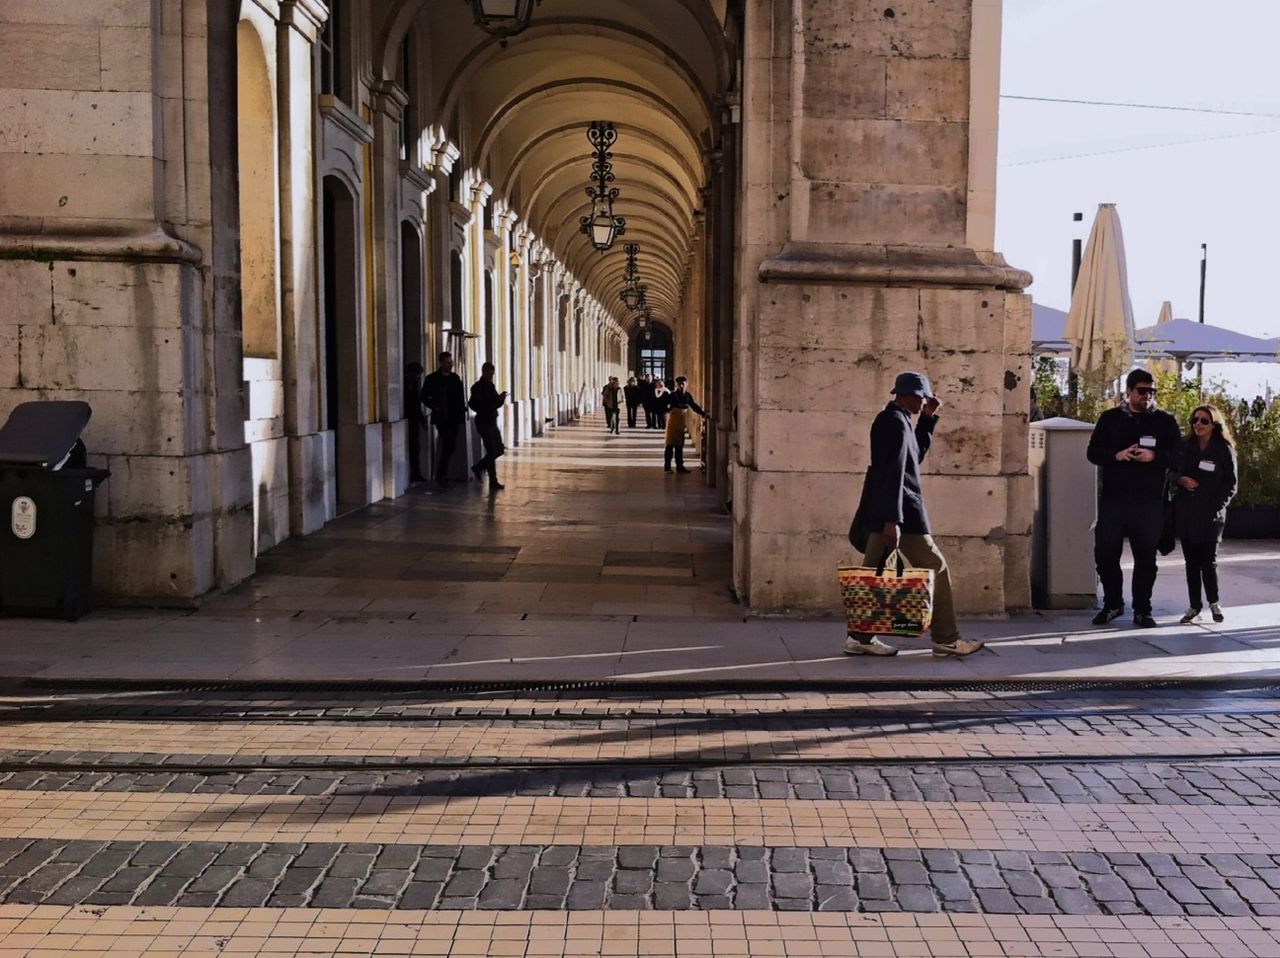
(1100, 322)
(1164, 365)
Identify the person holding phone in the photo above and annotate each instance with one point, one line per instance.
(1206, 483)
(1134, 446)
(485, 402)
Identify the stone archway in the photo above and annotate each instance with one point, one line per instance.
(340, 232)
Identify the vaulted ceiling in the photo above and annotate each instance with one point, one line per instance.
(520, 113)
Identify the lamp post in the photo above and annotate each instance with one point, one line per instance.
(601, 225)
(503, 18)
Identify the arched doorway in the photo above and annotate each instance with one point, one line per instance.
(490, 320)
(456, 319)
(411, 317)
(653, 352)
(341, 342)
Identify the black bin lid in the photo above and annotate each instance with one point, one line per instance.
(42, 433)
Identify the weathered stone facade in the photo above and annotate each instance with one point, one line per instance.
(868, 222)
(229, 224)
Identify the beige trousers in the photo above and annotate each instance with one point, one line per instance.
(922, 553)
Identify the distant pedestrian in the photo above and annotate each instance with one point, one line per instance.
(891, 513)
(442, 394)
(660, 393)
(1134, 445)
(1206, 483)
(611, 399)
(631, 393)
(415, 420)
(678, 402)
(1259, 407)
(645, 385)
(485, 403)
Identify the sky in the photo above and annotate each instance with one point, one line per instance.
(1172, 194)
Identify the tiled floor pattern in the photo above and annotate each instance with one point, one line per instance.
(42, 931)
(593, 565)
(126, 816)
(490, 740)
(304, 834)
(899, 705)
(1224, 784)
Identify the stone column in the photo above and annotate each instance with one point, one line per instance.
(389, 102)
(299, 28)
(504, 320)
(522, 311)
(119, 275)
(868, 161)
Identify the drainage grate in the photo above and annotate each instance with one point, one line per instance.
(626, 689)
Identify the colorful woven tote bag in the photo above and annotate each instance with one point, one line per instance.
(890, 599)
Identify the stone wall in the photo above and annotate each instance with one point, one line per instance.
(863, 258)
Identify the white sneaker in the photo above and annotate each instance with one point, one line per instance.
(1216, 611)
(956, 646)
(869, 646)
(1191, 615)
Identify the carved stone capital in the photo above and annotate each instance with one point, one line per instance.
(308, 17)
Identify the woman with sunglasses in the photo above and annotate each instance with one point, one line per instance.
(1206, 483)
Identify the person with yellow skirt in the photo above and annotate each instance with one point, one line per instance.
(678, 403)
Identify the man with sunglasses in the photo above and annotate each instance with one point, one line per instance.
(1133, 445)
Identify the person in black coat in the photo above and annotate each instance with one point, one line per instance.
(443, 395)
(1134, 446)
(645, 388)
(631, 394)
(485, 402)
(1206, 483)
(891, 513)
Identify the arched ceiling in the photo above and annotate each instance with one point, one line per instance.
(519, 113)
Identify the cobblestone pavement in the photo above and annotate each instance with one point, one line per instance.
(113, 842)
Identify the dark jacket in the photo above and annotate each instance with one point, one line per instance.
(442, 394)
(680, 400)
(645, 389)
(1200, 515)
(891, 491)
(1120, 428)
(631, 395)
(485, 402)
(611, 396)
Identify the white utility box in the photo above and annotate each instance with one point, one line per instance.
(1063, 575)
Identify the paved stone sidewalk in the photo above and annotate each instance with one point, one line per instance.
(593, 565)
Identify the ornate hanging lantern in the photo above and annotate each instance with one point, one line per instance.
(630, 294)
(601, 225)
(503, 18)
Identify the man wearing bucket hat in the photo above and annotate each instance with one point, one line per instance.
(891, 514)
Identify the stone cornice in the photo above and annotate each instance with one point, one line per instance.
(110, 242)
(308, 17)
(892, 266)
(345, 119)
(390, 99)
(417, 177)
